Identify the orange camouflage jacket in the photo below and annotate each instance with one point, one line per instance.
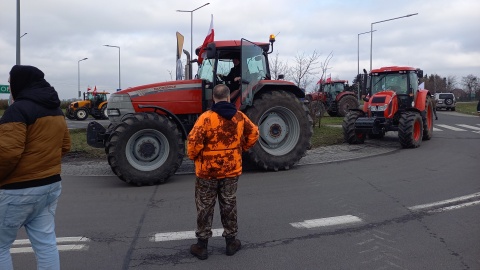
(216, 144)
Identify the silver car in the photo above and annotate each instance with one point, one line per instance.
(445, 101)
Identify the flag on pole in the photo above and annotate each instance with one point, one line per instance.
(95, 91)
(88, 89)
(209, 38)
(329, 79)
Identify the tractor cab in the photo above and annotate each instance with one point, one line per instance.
(253, 63)
(95, 98)
(333, 88)
(395, 81)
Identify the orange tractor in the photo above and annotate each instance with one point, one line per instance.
(145, 142)
(393, 102)
(332, 98)
(93, 103)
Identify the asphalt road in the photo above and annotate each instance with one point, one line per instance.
(407, 209)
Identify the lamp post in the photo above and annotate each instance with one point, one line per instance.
(18, 34)
(371, 31)
(79, 93)
(119, 78)
(358, 60)
(191, 29)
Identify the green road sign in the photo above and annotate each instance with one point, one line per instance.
(4, 89)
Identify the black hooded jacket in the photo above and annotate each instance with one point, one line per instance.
(33, 132)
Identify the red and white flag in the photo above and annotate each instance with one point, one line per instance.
(95, 91)
(88, 89)
(209, 38)
(329, 79)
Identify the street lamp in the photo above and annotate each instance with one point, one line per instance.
(119, 80)
(358, 60)
(79, 93)
(191, 30)
(371, 31)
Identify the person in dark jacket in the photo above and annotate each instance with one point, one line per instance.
(215, 144)
(34, 137)
(233, 78)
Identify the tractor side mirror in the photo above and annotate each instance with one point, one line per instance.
(420, 73)
(211, 50)
(281, 77)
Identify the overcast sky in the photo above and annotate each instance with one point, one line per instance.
(444, 38)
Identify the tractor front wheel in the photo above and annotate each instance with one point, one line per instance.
(81, 114)
(145, 149)
(350, 135)
(410, 130)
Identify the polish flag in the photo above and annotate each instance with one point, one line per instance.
(95, 91)
(329, 79)
(209, 38)
(88, 89)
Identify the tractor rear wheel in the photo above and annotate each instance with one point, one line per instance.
(81, 114)
(145, 149)
(285, 130)
(350, 135)
(345, 104)
(428, 120)
(410, 129)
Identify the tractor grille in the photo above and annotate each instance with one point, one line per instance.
(380, 99)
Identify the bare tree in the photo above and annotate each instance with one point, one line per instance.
(324, 66)
(278, 67)
(471, 84)
(451, 83)
(304, 68)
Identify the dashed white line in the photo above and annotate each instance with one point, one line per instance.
(440, 203)
(60, 240)
(468, 126)
(172, 236)
(324, 222)
(450, 127)
(454, 207)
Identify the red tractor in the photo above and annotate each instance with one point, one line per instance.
(332, 97)
(145, 142)
(393, 103)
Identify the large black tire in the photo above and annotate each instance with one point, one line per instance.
(345, 104)
(428, 120)
(285, 130)
(81, 114)
(145, 149)
(103, 112)
(69, 114)
(350, 135)
(410, 129)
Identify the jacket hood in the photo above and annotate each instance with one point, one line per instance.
(225, 109)
(27, 82)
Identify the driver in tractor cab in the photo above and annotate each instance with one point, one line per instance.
(232, 79)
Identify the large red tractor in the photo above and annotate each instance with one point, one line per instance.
(332, 98)
(145, 143)
(393, 103)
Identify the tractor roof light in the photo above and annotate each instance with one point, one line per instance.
(272, 38)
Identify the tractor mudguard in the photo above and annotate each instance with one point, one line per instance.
(95, 134)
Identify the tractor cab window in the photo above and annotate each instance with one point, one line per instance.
(206, 70)
(254, 67)
(396, 82)
(413, 82)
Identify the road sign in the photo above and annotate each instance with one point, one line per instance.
(4, 89)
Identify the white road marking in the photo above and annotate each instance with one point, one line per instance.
(60, 240)
(324, 222)
(454, 207)
(450, 127)
(172, 236)
(468, 126)
(436, 129)
(440, 203)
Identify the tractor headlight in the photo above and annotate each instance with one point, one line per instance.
(378, 108)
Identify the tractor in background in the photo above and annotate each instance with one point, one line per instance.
(93, 103)
(331, 96)
(145, 142)
(393, 102)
